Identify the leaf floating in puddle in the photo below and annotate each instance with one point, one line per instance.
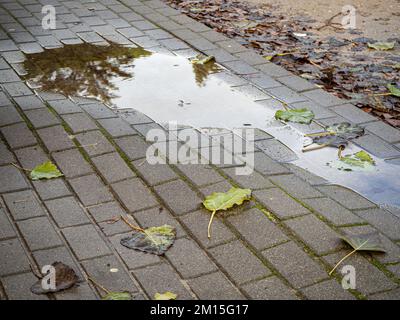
(165, 296)
(47, 170)
(296, 115)
(225, 200)
(117, 296)
(381, 46)
(200, 59)
(346, 130)
(394, 91)
(155, 240)
(360, 160)
(65, 279)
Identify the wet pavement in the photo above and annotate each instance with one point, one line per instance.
(97, 138)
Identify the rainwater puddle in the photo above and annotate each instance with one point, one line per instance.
(167, 88)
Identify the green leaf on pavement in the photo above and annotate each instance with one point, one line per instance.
(394, 90)
(165, 296)
(365, 242)
(296, 115)
(46, 170)
(381, 46)
(117, 296)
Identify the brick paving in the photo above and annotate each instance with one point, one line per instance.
(280, 245)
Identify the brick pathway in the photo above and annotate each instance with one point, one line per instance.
(281, 244)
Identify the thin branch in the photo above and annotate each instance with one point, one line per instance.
(317, 147)
(320, 134)
(18, 167)
(99, 285)
(131, 225)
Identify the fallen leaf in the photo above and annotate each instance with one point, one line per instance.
(296, 115)
(394, 90)
(165, 296)
(117, 296)
(200, 59)
(46, 170)
(381, 46)
(346, 130)
(365, 242)
(155, 240)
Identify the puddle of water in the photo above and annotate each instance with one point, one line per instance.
(167, 88)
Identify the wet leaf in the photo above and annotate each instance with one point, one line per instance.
(394, 90)
(225, 200)
(381, 46)
(155, 240)
(200, 59)
(365, 242)
(46, 170)
(165, 296)
(346, 130)
(296, 115)
(360, 161)
(117, 296)
(65, 279)
(332, 141)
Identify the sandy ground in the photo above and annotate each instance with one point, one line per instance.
(377, 19)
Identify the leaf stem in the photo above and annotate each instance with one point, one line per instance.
(131, 225)
(317, 147)
(320, 134)
(209, 224)
(18, 167)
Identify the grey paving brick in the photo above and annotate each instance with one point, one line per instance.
(130, 32)
(112, 167)
(285, 94)
(295, 186)
(377, 146)
(197, 223)
(91, 190)
(29, 102)
(189, 259)
(98, 111)
(154, 174)
(106, 211)
(255, 228)
(13, 257)
(50, 189)
(99, 269)
(134, 194)
(222, 186)
(178, 196)
(18, 286)
(201, 44)
(23, 205)
(253, 181)
(369, 278)
(6, 157)
(31, 157)
(185, 34)
(333, 211)
(14, 57)
(65, 106)
(388, 295)
(319, 111)
(240, 263)
(322, 239)
(86, 242)
(220, 55)
(135, 117)
(78, 292)
(4, 101)
(352, 113)
(48, 42)
(94, 143)
(79, 122)
(110, 229)
(296, 83)
(8, 75)
(384, 131)
(39, 233)
(66, 212)
(9, 115)
(346, 197)
(55, 138)
(145, 25)
(90, 37)
(271, 288)
(6, 229)
(71, 163)
(31, 47)
(116, 127)
(323, 98)
(130, 16)
(11, 179)
(231, 46)
(7, 45)
(295, 265)
(17, 89)
(383, 220)
(134, 147)
(240, 67)
(251, 57)
(265, 165)
(133, 258)
(41, 118)
(327, 290)
(18, 135)
(215, 286)
(273, 70)
(174, 44)
(200, 174)
(161, 278)
(262, 80)
(252, 92)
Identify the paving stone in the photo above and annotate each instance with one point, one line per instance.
(130, 16)
(197, 222)
(17, 89)
(158, 217)
(79, 122)
(273, 70)
(240, 263)
(185, 34)
(178, 196)
(18, 287)
(33, 230)
(133, 258)
(384, 131)
(9, 115)
(276, 150)
(32, 156)
(158, 34)
(13, 257)
(94, 143)
(295, 265)
(296, 83)
(240, 67)
(91, 190)
(231, 46)
(271, 288)
(322, 239)
(86, 242)
(7, 45)
(48, 42)
(106, 211)
(327, 290)
(116, 127)
(119, 281)
(263, 81)
(30, 48)
(215, 286)
(369, 278)
(188, 258)
(55, 138)
(135, 117)
(252, 92)
(200, 174)
(154, 173)
(295, 186)
(255, 228)
(71, 163)
(6, 229)
(161, 278)
(98, 111)
(333, 211)
(265, 165)
(285, 94)
(50, 189)
(389, 295)
(376, 146)
(23, 205)
(134, 147)
(111, 229)
(90, 37)
(323, 98)
(130, 32)
(67, 212)
(222, 186)
(319, 111)
(221, 55)
(143, 129)
(134, 194)
(383, 220)
(174, 44)
(4, 101)
(252, 181)
(18, 135)
(78, 292)
(6, 157)
(201, 44)
(112, 167)
(353, 114)
(145, 25)
(64, 106)
(8, 75)
(11, 179)
(346, 197)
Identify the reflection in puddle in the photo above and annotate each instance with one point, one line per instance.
(167, 88)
